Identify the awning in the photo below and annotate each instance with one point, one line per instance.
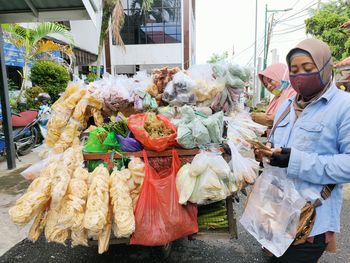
(23, 11)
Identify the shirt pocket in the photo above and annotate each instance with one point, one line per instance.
(280, 132)
(308, 136)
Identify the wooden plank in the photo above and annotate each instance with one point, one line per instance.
(150, 154)
(231, 217)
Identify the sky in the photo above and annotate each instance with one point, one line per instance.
(224, 25)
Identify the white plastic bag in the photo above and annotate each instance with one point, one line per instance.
(185, 183)
(273, 210)
(209, 188)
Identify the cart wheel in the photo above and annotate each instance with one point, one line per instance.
(166, 250)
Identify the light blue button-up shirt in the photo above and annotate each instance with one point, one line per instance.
(320, 155)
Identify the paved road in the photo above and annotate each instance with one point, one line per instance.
(243, 250)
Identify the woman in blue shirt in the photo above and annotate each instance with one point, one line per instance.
(311, 138)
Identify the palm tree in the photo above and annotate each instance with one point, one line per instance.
(115, 10)
(33, 43)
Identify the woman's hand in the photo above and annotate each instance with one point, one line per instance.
(280, 157)
(276, 156)
(261, 153)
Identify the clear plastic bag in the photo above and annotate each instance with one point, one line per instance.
(273, 210)
(244, 169)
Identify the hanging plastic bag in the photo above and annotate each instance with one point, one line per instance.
(185, 183)
(159, 217)
(273, 210)
(209, 188)
(244, 169)
(136, 124)
(129, 143)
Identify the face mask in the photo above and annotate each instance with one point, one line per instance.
(280, 88)
(308, 84)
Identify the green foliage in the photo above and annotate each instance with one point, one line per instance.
(324, 25)
(52, 77)
(91, 77)
(216, 57)
(340, 7)
(30, 94)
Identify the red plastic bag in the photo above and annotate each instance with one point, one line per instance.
(136, 125)
(159, 217)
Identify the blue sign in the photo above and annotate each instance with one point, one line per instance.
(14, 56)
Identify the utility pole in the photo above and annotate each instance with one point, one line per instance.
(255, 84)
(267, 37)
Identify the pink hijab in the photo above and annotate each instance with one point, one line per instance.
(277, 72)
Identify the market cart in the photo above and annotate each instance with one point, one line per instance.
(159, 160)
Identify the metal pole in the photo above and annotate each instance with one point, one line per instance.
(255, 99)
(6, 110)
(265, 37)
(262, 91)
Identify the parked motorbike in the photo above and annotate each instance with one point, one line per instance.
(29, 127)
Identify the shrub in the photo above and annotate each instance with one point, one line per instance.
(52, 77)
(30, 94)
(91, 77)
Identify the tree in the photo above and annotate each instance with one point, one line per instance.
(113, 9)
(50, 76)
(340, 7)
(33, 43)
(325, 26)
(216, 57)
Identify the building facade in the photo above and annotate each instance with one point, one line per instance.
(163, 36)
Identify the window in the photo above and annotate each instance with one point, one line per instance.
(160, 25)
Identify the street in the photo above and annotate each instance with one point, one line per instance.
(243, 250)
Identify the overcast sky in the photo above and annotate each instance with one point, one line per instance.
(222, 24)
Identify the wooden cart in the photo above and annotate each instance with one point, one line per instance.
(186, 156)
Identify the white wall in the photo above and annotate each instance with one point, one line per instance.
(147, 54)
(86, 35)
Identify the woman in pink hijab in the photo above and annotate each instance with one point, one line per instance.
(275, 79)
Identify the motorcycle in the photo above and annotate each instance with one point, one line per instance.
(29, 127)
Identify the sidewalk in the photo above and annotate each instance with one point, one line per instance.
(22, 164)
(12, 186)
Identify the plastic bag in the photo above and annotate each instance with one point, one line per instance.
(136, 125)
(185, 137)
(199, 164)
(244, 169)
(200, 132)
(121, 200)
(273, 210)
(185, 183)
(179, 91)
(129, 144)
(95, 141)
(98, 201)
(215, 124)
(159, 217)
(209, 188)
